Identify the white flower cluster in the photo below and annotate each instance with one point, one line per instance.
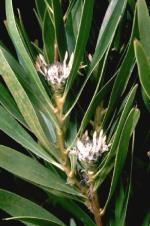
(89, 150)
(57, 73)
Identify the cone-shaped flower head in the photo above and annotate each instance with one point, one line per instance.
(57, 73)
(88, 150)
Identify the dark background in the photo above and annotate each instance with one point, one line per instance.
(139, 202)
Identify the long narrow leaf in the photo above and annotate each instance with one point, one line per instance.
(122, 149)
(26, 61)
(59, 28)
(143, 67)
(123, 75)
(84, 29)
(107, 31)
(48, 33)
(144, 25)
(33, 95)
(16, 205)
(13, 129)
(33, 172)
(22, 100)
(108, 163)
(36, 220)
(8, 103)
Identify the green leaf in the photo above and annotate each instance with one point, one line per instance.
(108, 29)
(59, 28)
(30, 170)
(29, 87)
(107, 32)
(8, 103)
(71, 205)
(109, 161)
(48, 33)
(72, 222)
(17, 41)
(41, 7)
(25, 58)
(36, 221)
(146, 100)
(22, 100)
(83, 32)
(122, 149)
(96, 99)
(144, 25)
(80, 214)
(132, 4)
(16, 205)
(13, 129)
(146, 219)
(143, 67)
(72, 24)
(123, 75)
(24, 36)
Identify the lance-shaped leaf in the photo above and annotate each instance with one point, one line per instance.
(28, 211)
(122, 149)
(8, 103)
(106, 35)
(108, 163)
(22, 100)
(13, 129)
(108, 29)
(25, 58)
(40, 7)
(124, 73)
(29, 87)
(59, 28)
(83, 32)
(143, 67)
(48, 34)
(32, 171)
(144, 25)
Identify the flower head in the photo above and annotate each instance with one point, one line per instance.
(57, 73)
(88, 150)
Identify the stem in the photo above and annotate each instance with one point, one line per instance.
(96, 210)
(94, 202)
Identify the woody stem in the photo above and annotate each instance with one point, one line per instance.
(95, 207)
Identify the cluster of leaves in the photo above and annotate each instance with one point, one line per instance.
(28, 109)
